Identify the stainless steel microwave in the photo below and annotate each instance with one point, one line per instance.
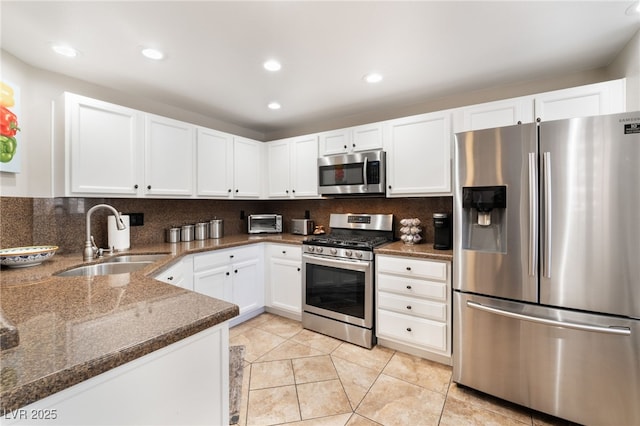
(361, 173)
(264, 223)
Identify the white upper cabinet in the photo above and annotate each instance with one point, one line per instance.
(493, 114)
(353, 139)
(101, 147)
(583, 101)
(304, 166)
(278, 170)
(292, 167)
(419, 155)
(247, 168)
(214, 164)
(169, 157)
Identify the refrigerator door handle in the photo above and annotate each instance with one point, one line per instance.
(620, 331)
(546, 165)
(533, 214)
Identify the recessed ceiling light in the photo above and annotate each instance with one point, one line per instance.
(64, 50)
(152, 53)
(272, 65)
(373, 77)
(634, 8)
(274, 105)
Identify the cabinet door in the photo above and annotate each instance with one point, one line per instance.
(366, 137)
(169, 147)
(248, 285)
(214, 163)
(304, 166)
(419, 155)
(102, 140)
(494, 114)
(285, 278)
(278, 165)
(247, 159)
(582, 101)
(335, 142)
(215, 282)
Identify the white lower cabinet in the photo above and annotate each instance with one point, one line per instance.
(179, 274)
(234, 275)
(413, 306)
(284, 280)
(186, 383)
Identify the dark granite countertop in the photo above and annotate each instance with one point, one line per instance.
(72, 328)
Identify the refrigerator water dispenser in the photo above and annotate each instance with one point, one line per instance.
(484, 219)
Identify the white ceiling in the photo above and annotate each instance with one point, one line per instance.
(215, 50)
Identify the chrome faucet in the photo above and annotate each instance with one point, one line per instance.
(90, 248)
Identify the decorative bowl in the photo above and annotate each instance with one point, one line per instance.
(21, 257)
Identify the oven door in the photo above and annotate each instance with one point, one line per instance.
(338, 288)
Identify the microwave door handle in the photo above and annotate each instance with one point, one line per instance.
(364, 171)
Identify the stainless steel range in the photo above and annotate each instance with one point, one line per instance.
(338, 277)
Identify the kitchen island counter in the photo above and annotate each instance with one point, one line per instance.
(73, 328)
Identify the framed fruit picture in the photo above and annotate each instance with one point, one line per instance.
(10, 148)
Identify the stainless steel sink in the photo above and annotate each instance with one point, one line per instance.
(109, 268)
(149, 258)
(115, 265)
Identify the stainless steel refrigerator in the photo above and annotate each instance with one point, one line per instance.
(547, 266)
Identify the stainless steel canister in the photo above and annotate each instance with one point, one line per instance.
(187, 233)
(216, 228)
(202, 231)
(173, 235)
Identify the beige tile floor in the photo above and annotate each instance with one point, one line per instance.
(298, 377)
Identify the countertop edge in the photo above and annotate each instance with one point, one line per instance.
(29, 393)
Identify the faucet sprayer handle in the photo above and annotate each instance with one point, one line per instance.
(93, 245)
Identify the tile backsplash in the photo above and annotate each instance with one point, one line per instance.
(61, 221)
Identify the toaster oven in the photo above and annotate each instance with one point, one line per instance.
(264, 223)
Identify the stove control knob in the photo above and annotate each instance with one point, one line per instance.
(359, 254)
(333, 251)
(348, 253)
(319, 249)
(310, 249)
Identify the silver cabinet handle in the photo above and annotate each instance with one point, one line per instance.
(547, 214)
(533, 214)
(621, 331)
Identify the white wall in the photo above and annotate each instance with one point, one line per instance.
(627, 64)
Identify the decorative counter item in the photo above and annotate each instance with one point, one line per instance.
(20, 257)
(410, 231)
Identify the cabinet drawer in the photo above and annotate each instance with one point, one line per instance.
(222, 257)
(417, 331)
(412, 306)
(282, 251)
(413, 287)
(412, 267)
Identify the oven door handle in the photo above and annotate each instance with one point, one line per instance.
(319, 260)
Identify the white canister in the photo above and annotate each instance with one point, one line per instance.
(118, 239)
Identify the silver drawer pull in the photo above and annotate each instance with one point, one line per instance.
(409, 329)
(408, 287)
(408, 268)
(409, 307)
